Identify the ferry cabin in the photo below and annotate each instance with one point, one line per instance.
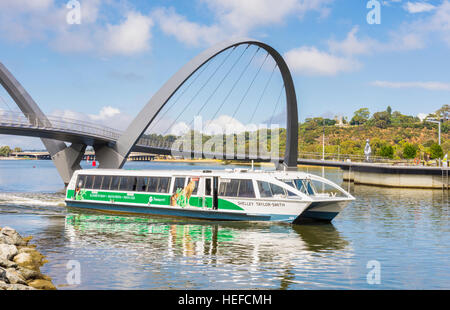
(222, 195)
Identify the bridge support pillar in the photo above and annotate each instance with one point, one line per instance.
(108, 157)
(67, 161)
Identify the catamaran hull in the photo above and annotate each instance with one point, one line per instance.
(219, 215)
(322, 211)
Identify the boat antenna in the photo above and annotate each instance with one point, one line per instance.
(253, 167)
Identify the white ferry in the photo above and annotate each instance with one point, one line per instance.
(236, 195)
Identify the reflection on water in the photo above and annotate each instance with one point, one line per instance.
(407, 231)
(232, 254)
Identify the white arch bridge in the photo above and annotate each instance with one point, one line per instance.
(112, 146)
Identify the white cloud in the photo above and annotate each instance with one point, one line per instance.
(311, 61)
(418, 7)
(25, 5)
(234, 18)
(132, 36)
(105, 113)
(179, 129)
(45, 20)
(440, 22)
(224, 124)
(435, 86)
(401, 40)
(430, 26)
(246, 15)
(108, 117)
(351, 45)
(187, 32)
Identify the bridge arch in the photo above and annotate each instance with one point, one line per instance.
(115, 156)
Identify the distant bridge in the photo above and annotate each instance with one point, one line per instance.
(88, 156)
(113, 147)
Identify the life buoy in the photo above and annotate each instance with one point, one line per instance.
(417, 161)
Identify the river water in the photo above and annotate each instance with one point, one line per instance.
(385, 239)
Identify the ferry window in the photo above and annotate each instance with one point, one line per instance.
(80, 181)
(179, 184)
(195, 182)
(164, 184)
(222, 188)
(300, 186)
(89, 181)
(106, 182)
(208, 187)
(277, 190)
(246, 189)
(98, 181)
(229, 189)
(126, 184)
(290, 183)
(310, 187)
(264, 189)
(153, 185)
(141, 184)
(115, 183)
(133, 183)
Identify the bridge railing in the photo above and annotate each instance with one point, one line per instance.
(56, 123)
(345, 157)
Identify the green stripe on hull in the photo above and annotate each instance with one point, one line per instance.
(145, 199)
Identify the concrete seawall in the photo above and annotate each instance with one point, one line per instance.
(387, 175)
(391, 176)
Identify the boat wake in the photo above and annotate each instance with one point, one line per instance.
(32, 203)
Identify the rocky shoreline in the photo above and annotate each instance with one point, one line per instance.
(20, 263)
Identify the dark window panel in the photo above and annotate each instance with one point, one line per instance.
(246, 189)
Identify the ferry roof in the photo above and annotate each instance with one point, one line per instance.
(217, 172)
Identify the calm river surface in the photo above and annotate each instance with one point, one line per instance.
(406, 231)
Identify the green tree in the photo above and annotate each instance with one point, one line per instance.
(380, 119)
(5, 151)
(410, 151)
(389, 111)
(386, 151)
(436, 151)
(360, 117)
(17, 150)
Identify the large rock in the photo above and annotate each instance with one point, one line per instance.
(8, 251)
(19, 287)
(3, 285)
(35, 258)
(7, 264)
(14, 277)
(8, 231)
(42, 284)
(29, 274)
(26, 260)
(11, 236)
(3, 277)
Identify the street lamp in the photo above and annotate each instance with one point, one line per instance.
(439, 129)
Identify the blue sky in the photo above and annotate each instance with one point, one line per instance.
(107, 67)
